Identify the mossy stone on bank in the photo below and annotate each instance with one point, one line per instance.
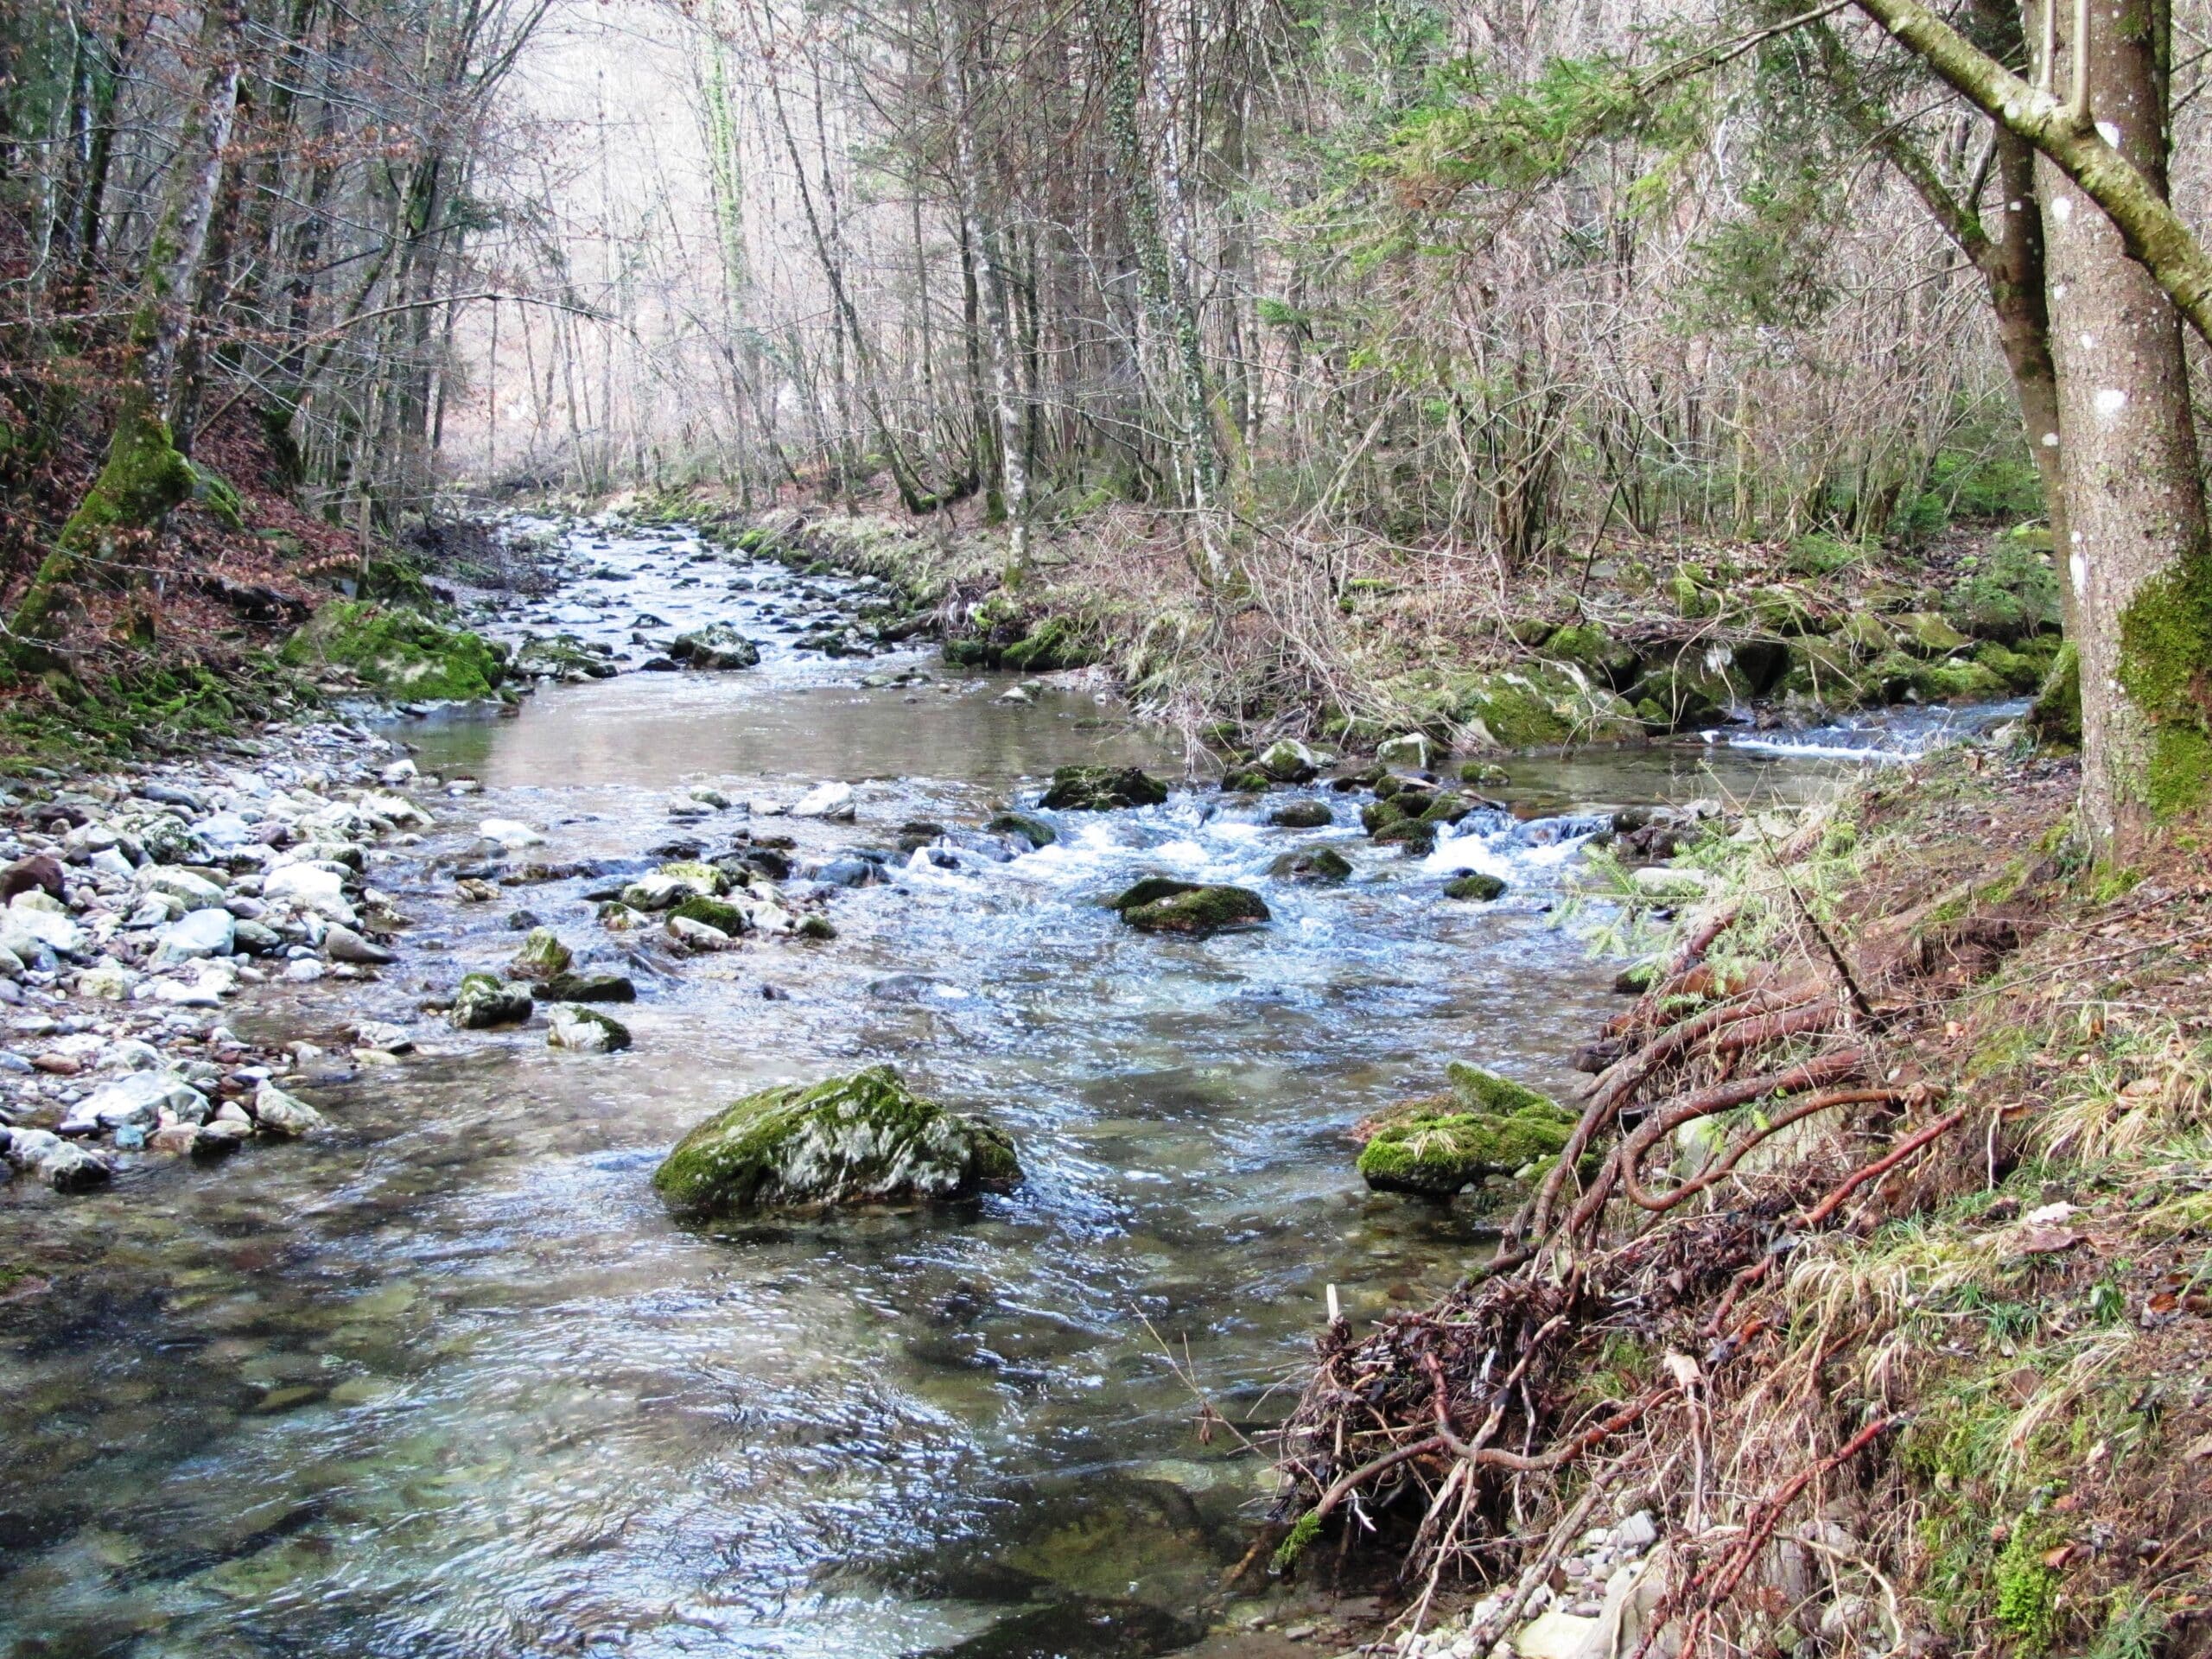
(1053, 644)
(863, 1139)
(399, 652)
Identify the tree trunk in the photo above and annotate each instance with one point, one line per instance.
(2136, 557)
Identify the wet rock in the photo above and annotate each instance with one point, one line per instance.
(39, 873)
(341, 943)
(137, 1102)
(284, 1116)
(511, 833)
(1301, 815)
(1475, 885)
(849, 873)
(1150, 889)
(201, 933)
(717, 913)
(543, 956)
(1034, 830)
(60, 1164)
(699, 936)
(832, 801)
(863, 1139)
(1414, 750)
(587, 987)
(1287, 761)
(820, 929)
(1484, 1125)
(1198, 912)
(718, 646)
(310, 887)
(484, 1000)
(1101, 789)
(1312, 865)
(586, 1030)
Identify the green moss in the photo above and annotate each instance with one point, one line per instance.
(1247, 780)
(1437, 1147)
(2021, 670)
(2027, 1589)
(1925, 634)
(1478, 1090)
(399, 652)
(2055, 717)
(1312, 865)
(1301, 815)
(1295, 1543)
(865, 1138)
(1590, 648)
(970, 653)
(214, 492)
(1198, 911)
(1054, 644)
(1035, 830)
(2009, 594)
(1475, 886)
(1691, 594)
(818, 928)
(1099, 789)
(2165, 669)
(713, 912)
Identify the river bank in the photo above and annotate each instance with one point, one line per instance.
(451, 1336)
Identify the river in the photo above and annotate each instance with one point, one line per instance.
(452, 1383)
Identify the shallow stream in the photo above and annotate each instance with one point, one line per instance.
(452, 1383)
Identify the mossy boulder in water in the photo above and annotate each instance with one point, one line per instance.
(1484, 1125)
(1150, 890)
(1314, 866)
(1301, 815)
(397, 652)
(543, 956)
(484, 1000)
(865, 1139)
(1102, 789)
(1035, 831)
(717, 646)
(1287, 761)
(1198, 911)
(1475, 885)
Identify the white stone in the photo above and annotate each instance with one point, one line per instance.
(41, 927)
(277, 1113)
(202, 933)
(196, 891)
(511, 833)
(309, 887)
(831, 800)
(135, 1101)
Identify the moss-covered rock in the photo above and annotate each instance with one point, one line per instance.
(1246, 781)
(1287, 761)
(1544, 706)
(717, 646)
(1484, 1125)
(1824, 675)
(2056, 716)
(1150, 889)
(1690, 590)
(1597, 653)
(216, 496)
(484, 1000)
(587, 987)
(2022, 672)
(1301, 815)
(1035, 831)
(970, 653)
(1786, 611)
(399, 652)
(1485, 774)
(1926, 634)
(717, 913)
(1198, 911)
(1102, 789)
(1865, 636)
(866, 1139)
(1053, 644)
(2009, 594)
(1475, 885)
(561, 657)
(1416, 835)
(1312, 866)
(543, 956)
(586, 1030)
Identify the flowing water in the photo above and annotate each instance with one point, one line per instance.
(452, 1383)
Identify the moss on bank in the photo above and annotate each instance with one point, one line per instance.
(2165, 669)
(399, 652)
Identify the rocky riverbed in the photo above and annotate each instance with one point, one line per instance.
(450, 1335)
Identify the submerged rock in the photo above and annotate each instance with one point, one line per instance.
(1102, 789)
(1484, 1125)
(863, 1139)
(1198, 911)
(587, 987)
